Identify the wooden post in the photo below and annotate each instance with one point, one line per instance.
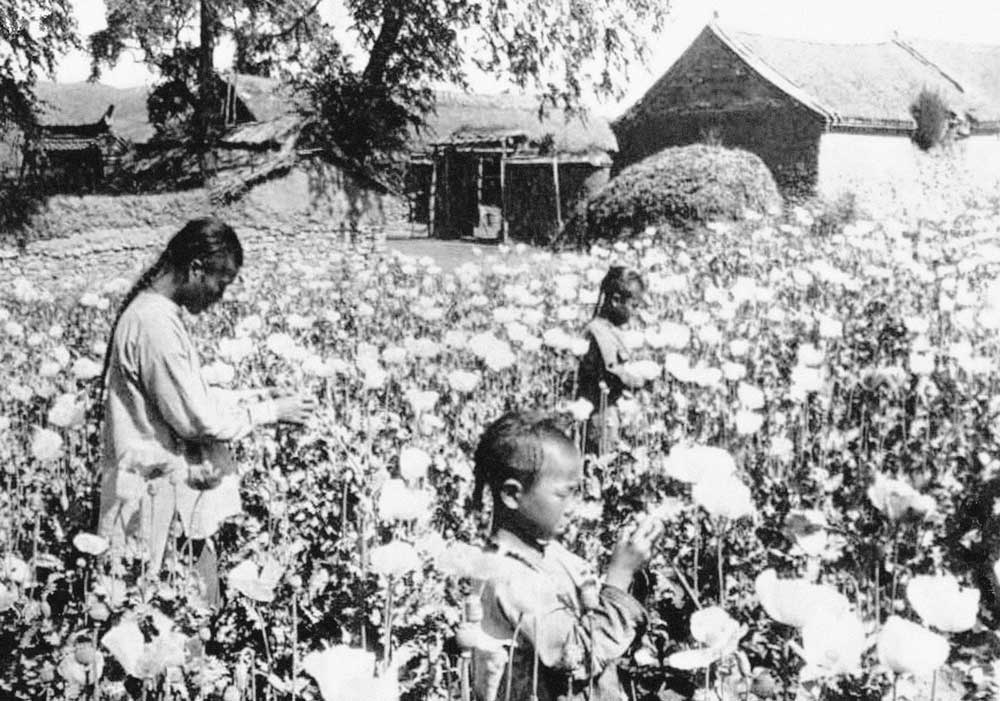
(432, 205)
(503, 191)
(479, 192)
(479, 181)
(555, 180)
(446, 191)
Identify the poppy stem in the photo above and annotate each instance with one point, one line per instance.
(895, 565)
(510, 657)
(697, 541)
(685, 585)
(895, 678)
(93, 668)
(534, 668)
(720, 531)
(295, 646)
(387, 630)
(590, 658)
(463, 671)
(933, 684)
(878, 598)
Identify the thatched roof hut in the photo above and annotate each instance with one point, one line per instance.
(463, 119)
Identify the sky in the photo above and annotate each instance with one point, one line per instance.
(976, 21)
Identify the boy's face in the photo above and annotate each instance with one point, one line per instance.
(544, 508)
(621, 305)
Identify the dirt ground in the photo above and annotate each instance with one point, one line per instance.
(448, 254)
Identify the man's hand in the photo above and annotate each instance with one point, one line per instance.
(293, 408)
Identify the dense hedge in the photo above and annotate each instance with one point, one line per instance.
(679, 185)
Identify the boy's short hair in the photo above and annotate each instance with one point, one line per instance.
(513, 447)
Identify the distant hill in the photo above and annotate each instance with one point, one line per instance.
(81, 103)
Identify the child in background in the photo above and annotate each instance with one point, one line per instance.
(550, 601)
(602, 377)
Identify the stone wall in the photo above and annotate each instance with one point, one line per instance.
(319, 193)
(711, 96)
(88, 260)
(307, 195)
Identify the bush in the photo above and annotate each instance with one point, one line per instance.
(18, 202)
(680, 185)
(831, 215)
(931, 114)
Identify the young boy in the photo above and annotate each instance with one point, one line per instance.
(549, 602)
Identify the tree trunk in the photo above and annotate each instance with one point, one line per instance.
(385, 43)
(206, 80)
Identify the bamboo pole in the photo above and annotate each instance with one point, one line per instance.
(479, 191)
(433, 196)
(555, 180)
(503, 192)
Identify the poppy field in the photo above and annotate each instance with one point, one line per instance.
(818, 430)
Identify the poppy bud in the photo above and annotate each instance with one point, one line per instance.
(465, 636)
(231, 694)
(764, 686)
(590, 595)
(473, 609)
(99, 611)
(744, 663)
(84, 654)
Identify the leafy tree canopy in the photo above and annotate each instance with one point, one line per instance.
(362, 95)
(33, 35)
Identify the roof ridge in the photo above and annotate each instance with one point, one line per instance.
(771, 73)
(928, 61)
(952, 42)
(816, 42)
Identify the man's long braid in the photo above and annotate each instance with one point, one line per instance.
(144, 281)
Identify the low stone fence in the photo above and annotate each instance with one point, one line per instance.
(90, 259)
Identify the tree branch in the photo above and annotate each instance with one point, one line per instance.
(385, 43)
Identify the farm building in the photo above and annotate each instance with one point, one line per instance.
(824, 117)
(486, 166)
(73, 157)
(483, 166)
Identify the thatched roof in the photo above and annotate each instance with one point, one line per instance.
(83, 103)
(975, 66)
(76, 103)
(263, 134)
(869, 86)
(460, 116)
(465, 117)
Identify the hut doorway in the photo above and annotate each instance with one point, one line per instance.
(474, 198)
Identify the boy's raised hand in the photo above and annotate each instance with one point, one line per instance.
(632, 551)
